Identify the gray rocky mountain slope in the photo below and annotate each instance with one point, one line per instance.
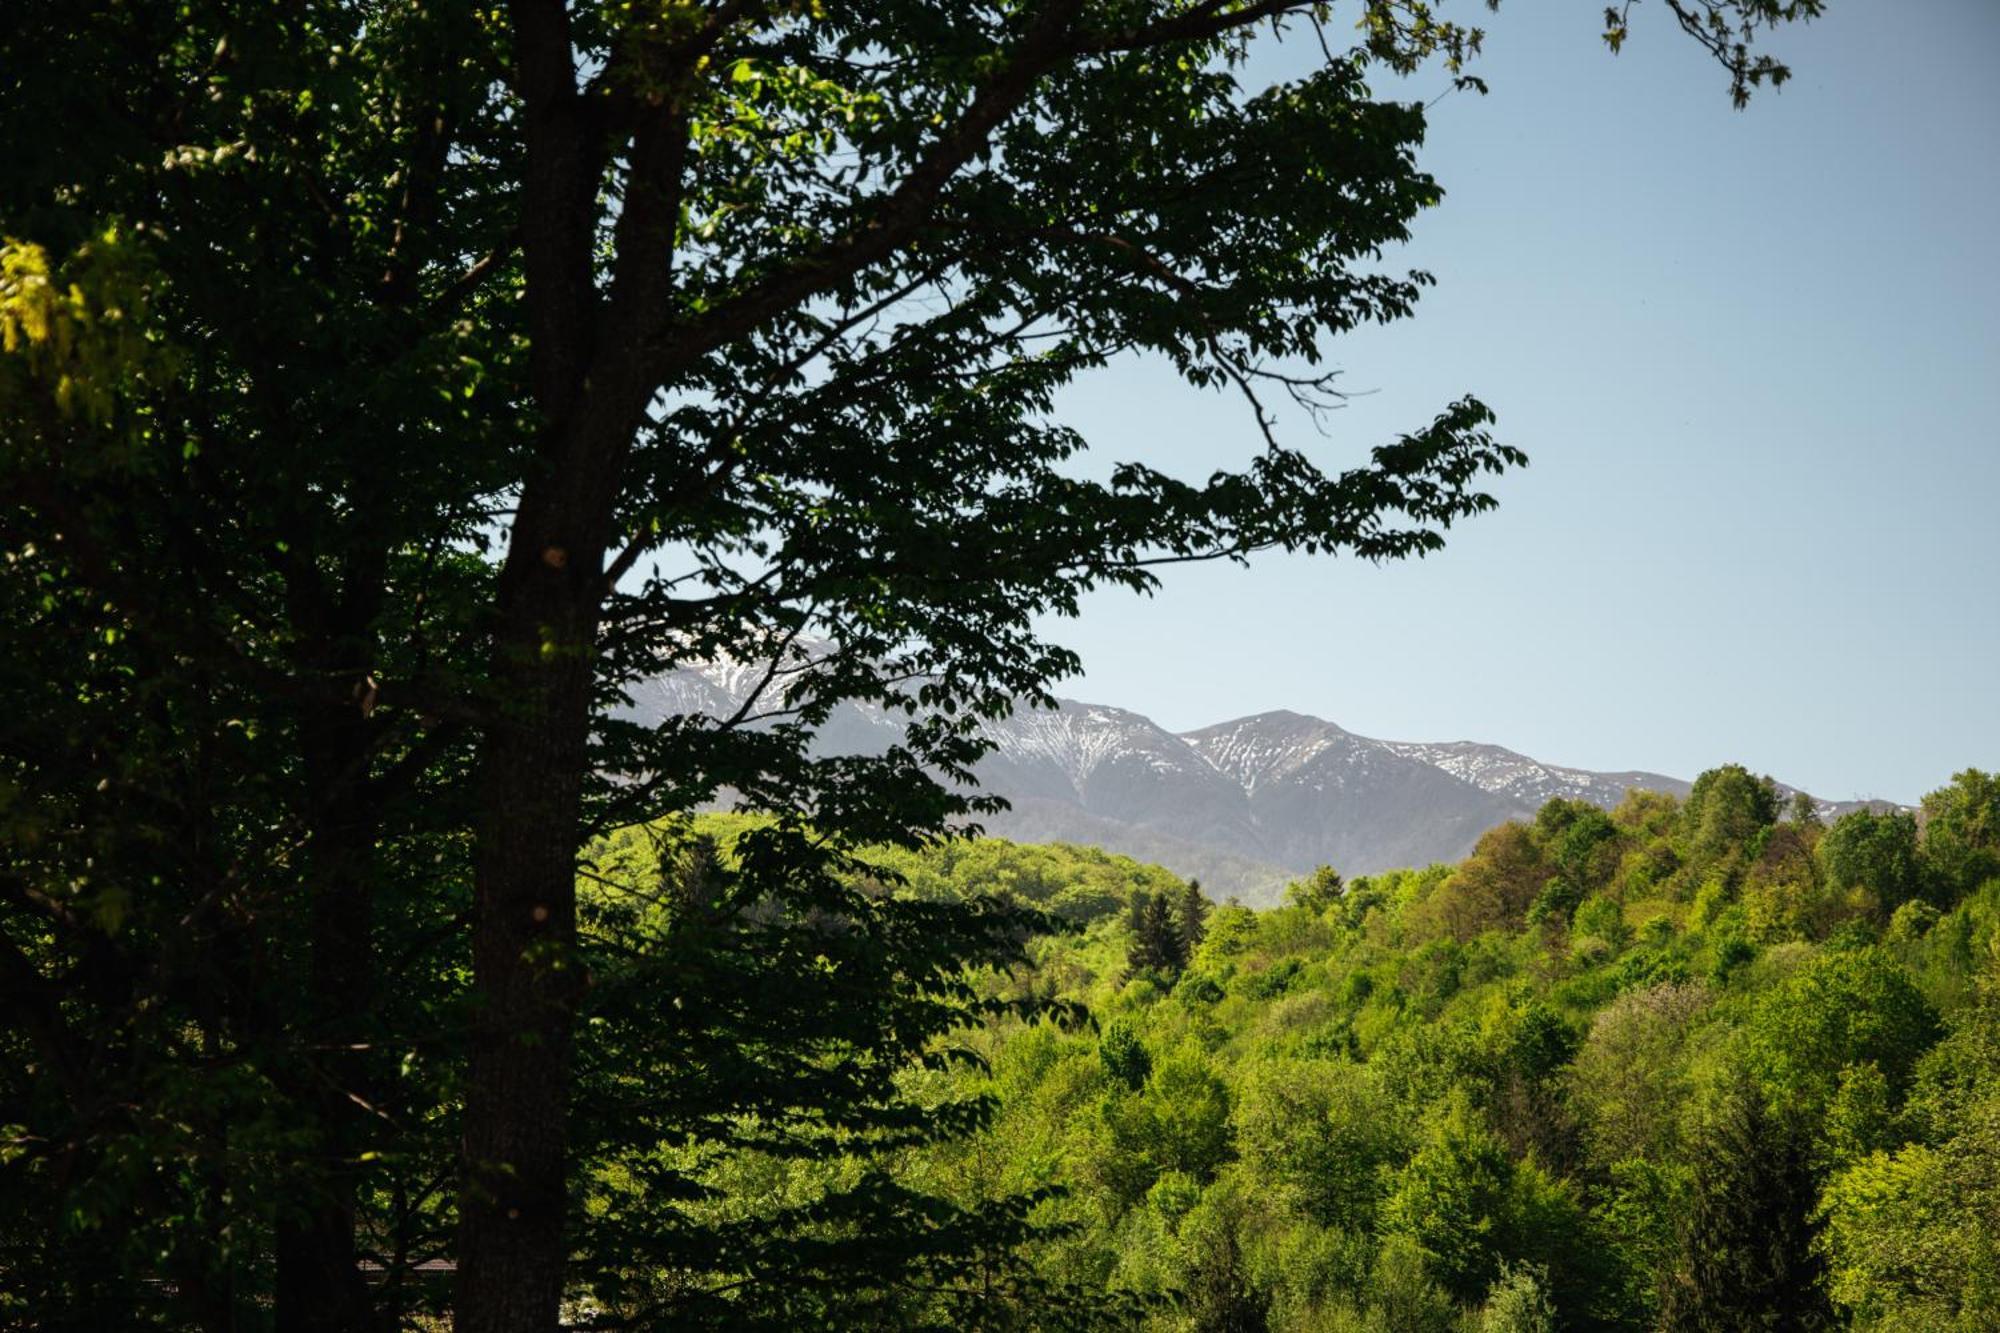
(1244, 805)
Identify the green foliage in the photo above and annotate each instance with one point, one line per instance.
(1725, 812)
(1911, 1229)
(1875, 854)
(1125, 1056)
(1556, 903)
(1581, 841)
(1177, 1123)
(1450, 1201)
(1159, 948)
(1403, 1297)
(1803, 812)
(1078, 884)
(1838, 1011)
(1747, 1241)
(1913, 1236)
(1518, 1303)
(1630, 1076)
(1962, 830)
(1641, 1214)
(736, 1046)
(1351, 1116)
(1492, 889)
(1320, 1133)
(1861, 1117)
(1216, 1291)
(1601, 919)
(1318, 892)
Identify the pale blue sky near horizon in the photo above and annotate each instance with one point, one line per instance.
(1755, 359)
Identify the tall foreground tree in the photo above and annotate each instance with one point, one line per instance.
(738, 327)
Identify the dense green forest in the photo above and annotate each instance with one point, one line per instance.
(1684, 1065)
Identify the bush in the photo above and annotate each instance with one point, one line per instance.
(1519, 1302)
(1124, 1055)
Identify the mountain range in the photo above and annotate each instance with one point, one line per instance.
(1245, 805)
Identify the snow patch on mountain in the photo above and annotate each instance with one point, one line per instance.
(1078, 739)
(1267, 747)
(1242, 803)
(1529, 781)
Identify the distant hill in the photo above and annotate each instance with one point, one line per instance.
(1244, 805)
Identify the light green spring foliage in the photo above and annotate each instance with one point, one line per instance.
(74, 333)
(1078, 884)
(1518, 1304)
(1453, 1099)
(1914, 1225)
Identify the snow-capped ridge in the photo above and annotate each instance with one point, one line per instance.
(1244, 804)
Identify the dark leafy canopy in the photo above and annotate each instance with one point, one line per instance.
(908, 491)
(245, 449)
(740, 324)
(733, 1032)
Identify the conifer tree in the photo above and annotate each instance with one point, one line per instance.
(1749, 1255)
(1158, 947)
(1192, 919)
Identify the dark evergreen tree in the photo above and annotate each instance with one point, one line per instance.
(1192, 918)
(1318, 891)
(1748, 1258)
(692, 877)
(1135, 921)
(1157, 947)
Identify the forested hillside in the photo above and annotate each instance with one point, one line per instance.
(1701, 1064)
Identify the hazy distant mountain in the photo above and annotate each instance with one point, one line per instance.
(1243, 805)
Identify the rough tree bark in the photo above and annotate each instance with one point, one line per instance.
(319, 1286)
(512, 1199)
(514, 1183)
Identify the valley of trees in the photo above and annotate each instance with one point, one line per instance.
(1680, 1066)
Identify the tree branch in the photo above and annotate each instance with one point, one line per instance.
(900, 213)
(1210, 19)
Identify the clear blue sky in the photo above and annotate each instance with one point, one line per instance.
(1755, 359)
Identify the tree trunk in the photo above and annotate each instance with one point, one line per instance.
(513, 1188)
(525, 975)
(319, 1285)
